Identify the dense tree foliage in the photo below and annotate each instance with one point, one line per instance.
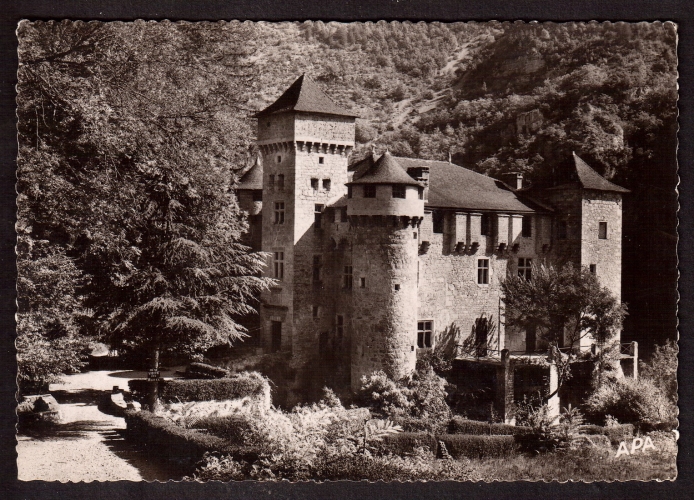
(129, 136)
(560, 304)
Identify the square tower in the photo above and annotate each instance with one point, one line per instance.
(305, 140)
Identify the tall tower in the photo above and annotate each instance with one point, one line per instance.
(588, 225)
(385, 206)
(305, 140)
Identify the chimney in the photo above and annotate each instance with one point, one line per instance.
(513, 179)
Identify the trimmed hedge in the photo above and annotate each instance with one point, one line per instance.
(459, 425)
(205, 371)
(222, 389)
(215, 389)
(479, 446)
(615, 434)
(232, 427)
(645, 427)
(404, 443)
(165, 438)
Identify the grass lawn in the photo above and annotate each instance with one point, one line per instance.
(587, 464)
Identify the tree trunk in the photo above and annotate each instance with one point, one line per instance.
(153, 393)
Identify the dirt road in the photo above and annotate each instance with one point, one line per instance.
(87, 444)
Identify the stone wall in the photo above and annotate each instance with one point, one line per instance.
(384, 311)
(606, 254)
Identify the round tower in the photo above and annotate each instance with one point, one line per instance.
(385, 206)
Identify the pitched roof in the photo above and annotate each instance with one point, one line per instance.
(453, 186)
(587, 178)
(305, 95)
(386, 170)
(253, 178)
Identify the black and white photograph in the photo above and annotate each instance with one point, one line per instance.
(366, 251)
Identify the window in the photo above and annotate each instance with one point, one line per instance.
(347, 278)
(315, 311)
(399, 191)
(414, 235)
(525, 268)
(438, 216)
(314, 183)
(317, 264)
(326, 184)
(420, 193)
(279, 159)
(339, 327)
(318, 217)
(602, 230)
(562, 230)
(268, 124)
(321, 160)
(275, 336)
(593, 269)
(279, 265)
(369, 191)
(397, 287)
(280, 181)
(343, 214)
(272, 181)
(424, 339)
(362, 282)
(527, 226)
(349, 191)
(486, 225)
(257, 195)
(279, 212)
(482, 271)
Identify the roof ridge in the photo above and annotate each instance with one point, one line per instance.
(305, 95)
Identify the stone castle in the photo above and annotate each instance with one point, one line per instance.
(377, 260)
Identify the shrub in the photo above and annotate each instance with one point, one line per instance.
(418, 404)
(353, 467)
(662, 369)
(460, 425)
(615, 433)
(406, 443)
(205, 371)
(475, 446)
(243, 385)
(631, 401)
(168, 439)
(232, 428)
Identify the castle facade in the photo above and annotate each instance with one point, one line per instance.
(378, 259)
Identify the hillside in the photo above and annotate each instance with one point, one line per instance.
(507, 97)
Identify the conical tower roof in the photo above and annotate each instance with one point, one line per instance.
(385, 171)
(253, 178)
(306, 96)
(587, 178)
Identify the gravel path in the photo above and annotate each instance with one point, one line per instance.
(87, 444)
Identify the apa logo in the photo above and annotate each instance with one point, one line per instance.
(636, 444)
